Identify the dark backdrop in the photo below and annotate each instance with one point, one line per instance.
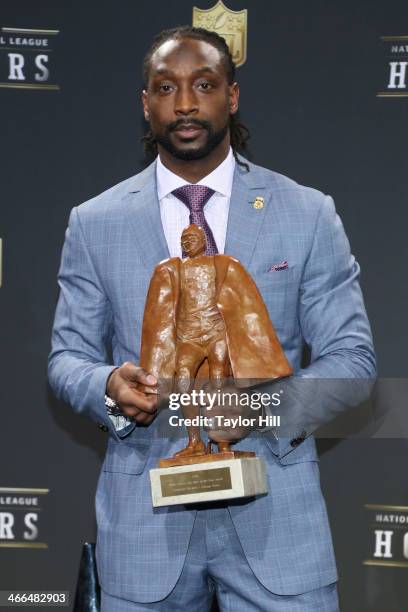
(309, 98)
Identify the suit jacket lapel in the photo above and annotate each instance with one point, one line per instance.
(143, 215)
(245, 221)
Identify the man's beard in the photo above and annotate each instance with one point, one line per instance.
(213, 140)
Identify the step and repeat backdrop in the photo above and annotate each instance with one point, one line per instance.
(324, 93)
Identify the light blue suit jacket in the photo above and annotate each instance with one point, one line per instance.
(112, 245)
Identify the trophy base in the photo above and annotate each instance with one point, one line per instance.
(208, 457)
(211, 480)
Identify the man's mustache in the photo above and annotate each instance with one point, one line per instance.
(176, 125)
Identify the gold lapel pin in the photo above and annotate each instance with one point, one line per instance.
(258, 203)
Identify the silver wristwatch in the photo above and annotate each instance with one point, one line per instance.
(112, 406)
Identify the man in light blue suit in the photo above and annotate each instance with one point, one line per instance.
(270, 553)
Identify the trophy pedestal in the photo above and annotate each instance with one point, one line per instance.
(208, 478)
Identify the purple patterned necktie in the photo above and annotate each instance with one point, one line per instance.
(195, 197)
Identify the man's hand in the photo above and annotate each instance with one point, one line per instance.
(134, 391)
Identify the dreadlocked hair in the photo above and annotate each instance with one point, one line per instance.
(239, 134)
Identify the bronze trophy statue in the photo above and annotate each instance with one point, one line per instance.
(205, 320)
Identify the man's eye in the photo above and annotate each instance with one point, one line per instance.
(205, 85)
(165, 88)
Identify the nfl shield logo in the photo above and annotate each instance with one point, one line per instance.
(231, 25)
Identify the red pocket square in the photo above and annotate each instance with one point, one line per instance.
(279, 266)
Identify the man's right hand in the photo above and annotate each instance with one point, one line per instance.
(135, 392)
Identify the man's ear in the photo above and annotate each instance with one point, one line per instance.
(233, 98)
(145, 105)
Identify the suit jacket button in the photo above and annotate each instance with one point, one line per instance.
(102, 427)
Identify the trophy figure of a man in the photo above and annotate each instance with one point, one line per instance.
(205, 319)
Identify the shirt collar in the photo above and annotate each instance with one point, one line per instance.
(220, 179)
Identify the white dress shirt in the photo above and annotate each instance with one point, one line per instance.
(175, 215)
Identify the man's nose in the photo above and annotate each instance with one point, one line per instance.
(185, 102)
